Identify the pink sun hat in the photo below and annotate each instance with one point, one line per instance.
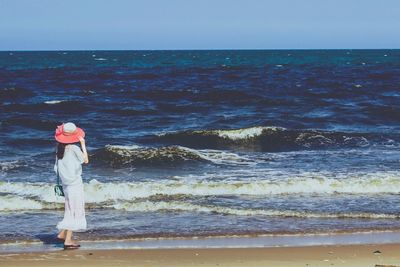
(68, 133)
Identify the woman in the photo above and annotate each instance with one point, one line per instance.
(69, 162)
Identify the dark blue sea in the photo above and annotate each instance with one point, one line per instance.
(204, 143)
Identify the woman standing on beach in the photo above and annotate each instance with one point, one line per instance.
(69, 162)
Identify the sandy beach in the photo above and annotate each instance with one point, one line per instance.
(349, 255)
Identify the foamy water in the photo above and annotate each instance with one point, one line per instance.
(25, 196)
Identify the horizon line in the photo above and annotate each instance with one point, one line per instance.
(194, 49)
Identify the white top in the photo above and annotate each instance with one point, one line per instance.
(70, 166)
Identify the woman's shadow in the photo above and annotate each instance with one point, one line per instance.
(50, 240)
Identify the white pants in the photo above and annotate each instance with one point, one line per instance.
(74, 215)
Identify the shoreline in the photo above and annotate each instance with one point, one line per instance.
(334, 255)
(213, 242)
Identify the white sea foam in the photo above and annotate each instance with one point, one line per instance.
(52, 102)
(139, 196)
(97, 192)
(15, 203)
(244, 133)
(9, 165)
(100, 59)
(43, 192)
(221, 157)
(125, 147)
(148, 206)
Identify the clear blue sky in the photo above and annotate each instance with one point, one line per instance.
(198, 24)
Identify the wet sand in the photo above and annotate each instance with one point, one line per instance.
(338, 255)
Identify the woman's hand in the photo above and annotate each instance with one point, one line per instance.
(85, 154)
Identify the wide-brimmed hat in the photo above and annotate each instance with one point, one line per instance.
(68, 133)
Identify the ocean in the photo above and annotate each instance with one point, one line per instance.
(204, 143)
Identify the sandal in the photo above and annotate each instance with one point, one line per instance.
(75, 246)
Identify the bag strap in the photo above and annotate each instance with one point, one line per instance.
(58, 176)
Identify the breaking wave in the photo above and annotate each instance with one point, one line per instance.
(17, 203)
(148, 206)
(269, 139)
(117, 156)
(25, 196)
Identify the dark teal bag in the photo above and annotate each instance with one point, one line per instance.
(58, 189)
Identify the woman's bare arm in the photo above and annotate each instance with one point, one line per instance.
(85, 154)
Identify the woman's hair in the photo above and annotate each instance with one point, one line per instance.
(61, 149)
